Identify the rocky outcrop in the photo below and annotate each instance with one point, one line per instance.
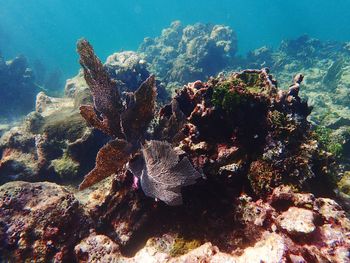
(39, 222)
(51, 144)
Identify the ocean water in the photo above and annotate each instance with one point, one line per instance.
(47, 30)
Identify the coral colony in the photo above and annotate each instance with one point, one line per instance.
(230, 169)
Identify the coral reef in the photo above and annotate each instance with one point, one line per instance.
(18, 88)
(230, 170)
(264, 141)
(188, 53)
(326, 84)
(262, 131)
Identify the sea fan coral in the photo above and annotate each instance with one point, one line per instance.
(126, 123)
(165, 174)
(106, 97)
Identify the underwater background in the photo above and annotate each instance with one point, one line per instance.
(174, 131)
(48, 30)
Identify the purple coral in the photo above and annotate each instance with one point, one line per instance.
(165, 174)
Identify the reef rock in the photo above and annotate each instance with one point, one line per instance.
(18, 88)
(187, 53)
(297, 221)
(39, 222)
(97, 248)
(257, 235)
(53, 143)
(128, 68)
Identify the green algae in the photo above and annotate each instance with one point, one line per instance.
(344, 183)
(66, 125)
(182, 246)
(250, 79)
(227, 99)
(253, 89)
(65, 167)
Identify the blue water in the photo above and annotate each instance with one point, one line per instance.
(48, 29)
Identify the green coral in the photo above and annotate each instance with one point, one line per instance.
(329, 142)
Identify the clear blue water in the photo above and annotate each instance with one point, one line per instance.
(48, 29)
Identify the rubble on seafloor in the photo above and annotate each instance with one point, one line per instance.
(230, 170)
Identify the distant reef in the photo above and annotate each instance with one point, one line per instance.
(187, 53)
(184, 152)
(18, 88)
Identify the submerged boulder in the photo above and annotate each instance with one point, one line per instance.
(271, 230)
(53, 143)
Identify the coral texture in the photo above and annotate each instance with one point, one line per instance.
(39, 222)
(270, 231)
(52, 144)
(230, 170)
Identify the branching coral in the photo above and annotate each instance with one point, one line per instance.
(107, 101)
(163, 174)
(125, 123)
